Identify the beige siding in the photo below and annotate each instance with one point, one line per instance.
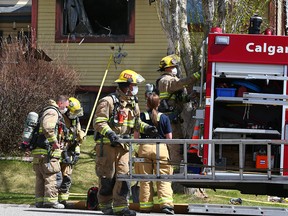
(91, 59)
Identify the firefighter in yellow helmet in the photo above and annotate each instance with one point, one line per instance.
(172, 94)
(71, 149)
(117, 115)
(46, 154)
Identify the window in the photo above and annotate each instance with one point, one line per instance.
(95, 20)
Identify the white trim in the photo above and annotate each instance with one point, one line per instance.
(283, 135)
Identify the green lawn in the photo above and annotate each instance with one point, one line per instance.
(17, 183)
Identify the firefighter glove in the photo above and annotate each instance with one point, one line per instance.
(196, 75)
(151, 131)
(66, 159)
(113, 138)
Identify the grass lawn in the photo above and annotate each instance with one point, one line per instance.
(17, 182)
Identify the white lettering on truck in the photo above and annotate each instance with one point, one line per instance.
(271, 50)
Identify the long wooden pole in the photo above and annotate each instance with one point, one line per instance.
(98, 95)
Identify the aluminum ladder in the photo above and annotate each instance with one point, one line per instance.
(236, 210)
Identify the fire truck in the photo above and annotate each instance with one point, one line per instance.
(244, 119)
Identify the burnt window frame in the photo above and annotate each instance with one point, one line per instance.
(60, 37)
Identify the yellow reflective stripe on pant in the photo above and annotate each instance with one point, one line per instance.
(63, 197)
(50, 199)
(146, 205)
(103, 206)
(164, 200)
(118, 208)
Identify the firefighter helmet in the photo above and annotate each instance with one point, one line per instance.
(169, 61)
(74, 107)
(129, 76)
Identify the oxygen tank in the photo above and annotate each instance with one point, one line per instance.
(30, 124)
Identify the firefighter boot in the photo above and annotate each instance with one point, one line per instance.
(107, 211)
(126, 212)
(168, 210)
(39, 204)
(55, 205)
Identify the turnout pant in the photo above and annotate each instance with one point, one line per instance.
(66, 170)
(111, 161)
(164, 190)
(48, 179)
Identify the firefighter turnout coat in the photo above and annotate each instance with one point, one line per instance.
(173, 98)
(46, 160)
(119, 113)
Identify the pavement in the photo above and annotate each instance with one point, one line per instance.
(27, 210)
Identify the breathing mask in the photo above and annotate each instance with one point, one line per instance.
(134, 90)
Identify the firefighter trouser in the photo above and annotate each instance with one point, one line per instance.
(66, 170)
(164, 190)
(111, 161)
(175, 151)
(48, 179)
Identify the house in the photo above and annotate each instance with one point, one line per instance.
(89, 32)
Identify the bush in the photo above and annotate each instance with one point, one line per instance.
(27, 82)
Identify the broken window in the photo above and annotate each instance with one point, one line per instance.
(96, 20)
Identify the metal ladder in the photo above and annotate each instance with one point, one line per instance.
(236, 210)
(212, 174)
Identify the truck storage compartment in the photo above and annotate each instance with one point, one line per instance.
(233, 119)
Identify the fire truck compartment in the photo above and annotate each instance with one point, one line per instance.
(233, 119)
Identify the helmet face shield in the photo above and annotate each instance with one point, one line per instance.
(77, 113)
(139, 79)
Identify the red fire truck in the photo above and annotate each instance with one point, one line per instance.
(246, 98)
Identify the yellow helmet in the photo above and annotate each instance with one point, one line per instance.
(74, 107)
(169, 61)
(129, 76)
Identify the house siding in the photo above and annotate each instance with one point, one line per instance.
(91, 59)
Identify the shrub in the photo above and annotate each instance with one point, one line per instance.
(26, 84)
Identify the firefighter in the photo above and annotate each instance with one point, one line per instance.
(148, 152)
(47, 153)
(117, 115)
(71, 149)
(173, 95)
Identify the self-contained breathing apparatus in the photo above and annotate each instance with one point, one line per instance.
(168, 106)
(32, 138)
(29, 131)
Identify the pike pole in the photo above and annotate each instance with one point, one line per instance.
(97, 98)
